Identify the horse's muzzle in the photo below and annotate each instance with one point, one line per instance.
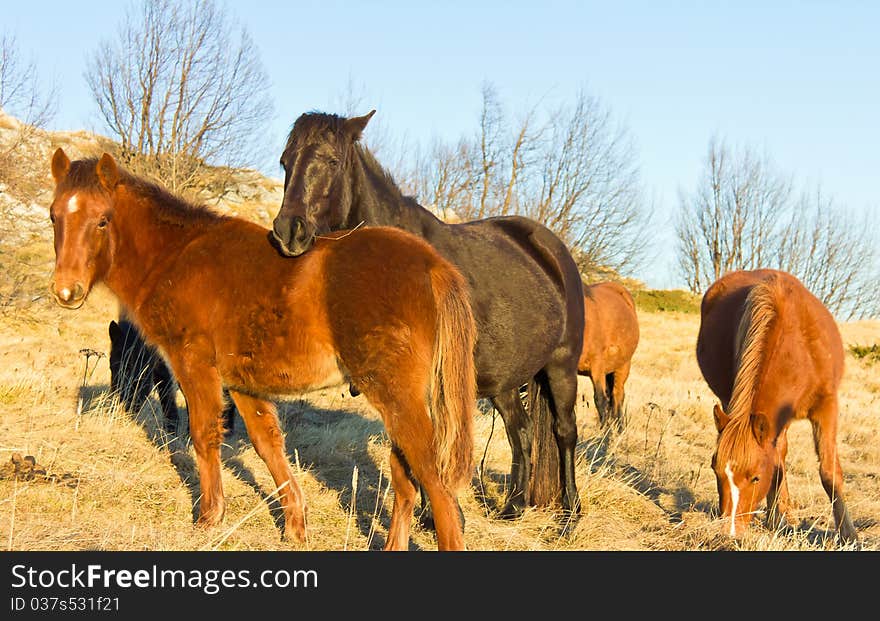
(294, 235)
(70, 297)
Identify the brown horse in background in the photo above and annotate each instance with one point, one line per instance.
(377, 307)
(772, 353)
(611, 335)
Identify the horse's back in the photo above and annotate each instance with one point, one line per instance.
(611, 326)
(721, 310)
(526, 293)
(537, 252)
(808, 326)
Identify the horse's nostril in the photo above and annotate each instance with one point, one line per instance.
(282, 232)
(78, 291)
(300, 234)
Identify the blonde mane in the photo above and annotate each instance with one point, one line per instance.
(759, 311)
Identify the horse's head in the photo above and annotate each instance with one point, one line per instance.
(81, 215)
(131, 365)
(316, 160)
(744, 462)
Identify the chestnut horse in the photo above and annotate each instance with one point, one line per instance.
(772, 353)
(525, 287)
(611, 335)
(378, 307)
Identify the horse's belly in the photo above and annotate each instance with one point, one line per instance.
(285, 375)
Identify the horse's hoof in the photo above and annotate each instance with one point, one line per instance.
(511, 510)
(426, 520)
(208, 523)
(294, 534)
(211, 518)
(571, 509)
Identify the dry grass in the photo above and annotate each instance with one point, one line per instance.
(649, 488)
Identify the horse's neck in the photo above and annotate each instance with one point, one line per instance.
(772, 393)
(143, 248)
(381, 203)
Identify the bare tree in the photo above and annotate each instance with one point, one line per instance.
(834, 252)
(181, 87)
(588, 189)
(575, 172)
(732, 219)
(745, 214)
(23, 96)
(26, 107)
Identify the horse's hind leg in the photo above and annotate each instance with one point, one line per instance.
(562, 380)
(618, 395)
(516, 423)
(404, 500)
(824, 420)
(600, 397)
(409, 427)
(261, 420)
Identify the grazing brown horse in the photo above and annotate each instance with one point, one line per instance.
(611, 335)
(772, 353)
(378, 307)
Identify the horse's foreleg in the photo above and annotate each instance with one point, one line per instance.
(516, 423)
(562, 380)
(404, 501)
(204, 400)
(824, 422)
(777, 496)
(261, 420)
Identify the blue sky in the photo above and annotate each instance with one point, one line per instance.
(797, 80)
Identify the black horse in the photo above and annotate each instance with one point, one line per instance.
(136, 368)
(526, 292)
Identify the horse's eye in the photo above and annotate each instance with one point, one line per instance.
(103, 222)
(755, 480)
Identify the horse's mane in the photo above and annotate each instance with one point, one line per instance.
(760, 309)
(312, 125)
(170, 208)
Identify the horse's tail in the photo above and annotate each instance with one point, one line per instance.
(453, 387)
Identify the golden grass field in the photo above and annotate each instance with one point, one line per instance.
(650, 488)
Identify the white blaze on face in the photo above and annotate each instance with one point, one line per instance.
(72, 204)
(734, 498)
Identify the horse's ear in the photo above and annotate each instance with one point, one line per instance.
(760, 427)
(354, 126)
(721, 419)
(108, 174)
(60, 165)
(115, 331)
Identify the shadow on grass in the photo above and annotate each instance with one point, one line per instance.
(305, 425)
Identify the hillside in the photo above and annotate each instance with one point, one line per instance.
(131, 485)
